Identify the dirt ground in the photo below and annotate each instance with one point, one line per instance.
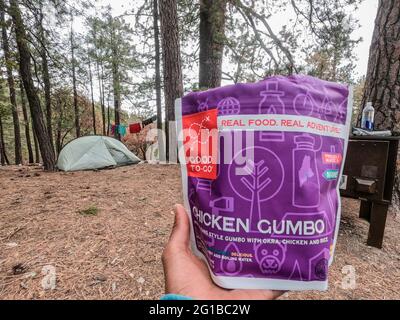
(101, 233)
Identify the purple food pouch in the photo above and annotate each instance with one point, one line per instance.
(261, 165)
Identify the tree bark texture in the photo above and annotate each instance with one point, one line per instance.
(92, 96)
(117, 97)
(108, 114)
(101, 91)
(59, 106)
(116, 83)
(26, 123)
(173, 87)
(212, 37)
(157, 56)
(382, 85)
(36, 145)
(3, 154)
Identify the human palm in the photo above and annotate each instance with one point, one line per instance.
(187, 275)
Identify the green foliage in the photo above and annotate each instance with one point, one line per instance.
(5, 109)
(358, 95)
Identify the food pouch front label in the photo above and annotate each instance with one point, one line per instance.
(261, 164)
(200, 146)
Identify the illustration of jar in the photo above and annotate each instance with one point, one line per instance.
(271, 103)
(306, 187)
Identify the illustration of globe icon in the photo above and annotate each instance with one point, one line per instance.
(228, 106)
(303, 105)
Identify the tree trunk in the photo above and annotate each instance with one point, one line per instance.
(108, 114)
(173, 87)
(212, 37)
(46, 77)
(76, 107)
(3, 155)
(11, 85)
(92, 96)
(103, 102)
(117, 100)
(26, 122)
(36, 145)
(161, 142)
(116, 84)
(99, 66)
(2, 159)
(46, 149)
(382, 85)
(101, 89)
(59, 126)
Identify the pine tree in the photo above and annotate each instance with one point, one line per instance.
(212, 39)
(173, 87)
(11, 85)
(44, 143)
(382, 86)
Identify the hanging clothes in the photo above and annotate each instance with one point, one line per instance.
(135, 127)
(113, 127)
(122, 130)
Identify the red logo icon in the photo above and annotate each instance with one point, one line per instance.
(200, 142)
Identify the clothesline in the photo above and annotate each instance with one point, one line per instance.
(133, 127)
(124, 129)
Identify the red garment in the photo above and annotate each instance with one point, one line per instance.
(135, 128)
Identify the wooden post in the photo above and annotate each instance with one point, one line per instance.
(377, 224)
(365, 210)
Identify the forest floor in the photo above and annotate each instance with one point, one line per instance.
(102, 234)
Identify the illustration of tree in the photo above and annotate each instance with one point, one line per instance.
(256, 182)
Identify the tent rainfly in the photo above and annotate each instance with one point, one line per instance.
(94, 152)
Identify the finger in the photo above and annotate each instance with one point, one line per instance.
(180, 232)
(275, 294)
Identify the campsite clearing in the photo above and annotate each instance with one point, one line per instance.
(113, 250)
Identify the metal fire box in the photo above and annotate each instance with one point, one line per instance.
(368, 175)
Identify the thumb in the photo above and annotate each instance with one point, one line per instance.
(180, 232)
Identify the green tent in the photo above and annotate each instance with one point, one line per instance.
(94, 152)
